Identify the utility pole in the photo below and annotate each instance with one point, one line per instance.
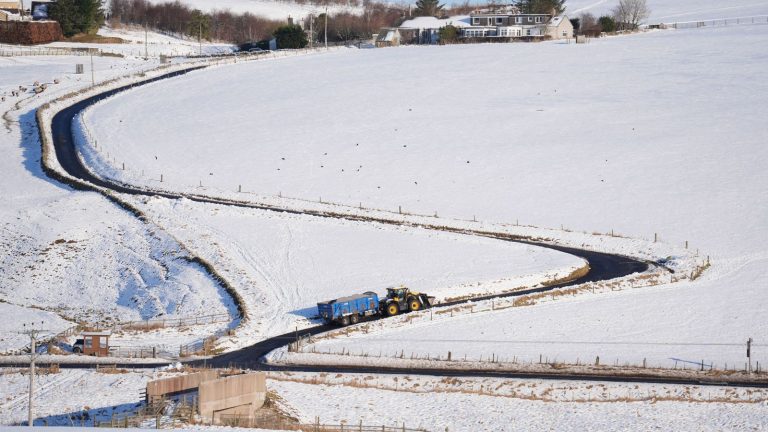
(93, 79)
(200, 37)
(33, 336)
(146, 56)
(325, 33)
(311, 31)
(749, 354)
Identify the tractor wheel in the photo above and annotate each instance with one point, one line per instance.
(392, 309)
(354, 318)
(414, 304)
(345, 321)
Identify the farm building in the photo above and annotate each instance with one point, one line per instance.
(10, 10)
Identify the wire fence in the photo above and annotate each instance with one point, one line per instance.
(20, 51)
(725, 22)
(160, 323)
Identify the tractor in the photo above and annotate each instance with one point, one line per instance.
(401, 299)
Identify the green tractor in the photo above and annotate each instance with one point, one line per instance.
(401, 299)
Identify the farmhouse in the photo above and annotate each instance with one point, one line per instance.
(499, 24)
(509, 25)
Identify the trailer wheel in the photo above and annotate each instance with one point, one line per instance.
(414, 304)
(354, 318)
(392, 309)
(345, 321)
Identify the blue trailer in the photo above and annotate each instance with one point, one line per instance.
(349, 310)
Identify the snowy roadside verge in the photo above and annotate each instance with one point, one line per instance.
(546, 369)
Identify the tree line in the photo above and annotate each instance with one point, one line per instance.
(175, 17)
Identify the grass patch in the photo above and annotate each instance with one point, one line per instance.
(94, 38)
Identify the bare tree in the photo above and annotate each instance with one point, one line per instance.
(630, 13)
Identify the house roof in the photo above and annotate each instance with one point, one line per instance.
(436, 23)
(555, 21)
(98, 333)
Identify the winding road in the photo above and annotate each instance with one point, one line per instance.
(602, 266)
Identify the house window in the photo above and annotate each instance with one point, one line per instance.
(88, 342)
(475, 21)
(499, 20)
(519, 20)
(565, 33)
(530, 19)
(528, 32)
(102, 343)
(538, 19)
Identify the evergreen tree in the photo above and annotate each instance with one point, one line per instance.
(428, 8)
(448, 34)
(607, 23)
(290, 37)
(77, 16)
(199, 25)
(551, 7)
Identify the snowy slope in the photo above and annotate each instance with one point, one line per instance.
(677, 10)
(283, 265)
(74, 254)
(456, 404)
(645, 156)
(272, 9)
(640, 145)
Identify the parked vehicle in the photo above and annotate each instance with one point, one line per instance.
(350, 310)
(77, 347)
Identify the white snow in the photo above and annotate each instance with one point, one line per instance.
(272, 9)
(283, 265)
(460, 404)
(436, 23)
(677, 10)
(647, 155)
(74, 254)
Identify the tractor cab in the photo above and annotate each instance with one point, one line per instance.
(397, 293)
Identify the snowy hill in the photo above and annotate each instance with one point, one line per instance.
(677, 10)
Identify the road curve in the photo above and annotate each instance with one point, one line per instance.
(602, 267)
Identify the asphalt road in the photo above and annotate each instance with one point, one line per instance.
(603, 267)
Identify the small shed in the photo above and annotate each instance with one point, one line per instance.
(96, 343)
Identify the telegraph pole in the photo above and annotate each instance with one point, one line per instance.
(311, 32)
(33, 334)
(93, 79)
(749, 354)
(146, 56)
(200, 37)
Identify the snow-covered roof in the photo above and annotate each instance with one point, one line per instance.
(98, 333)
(436, 23)
(555, 21)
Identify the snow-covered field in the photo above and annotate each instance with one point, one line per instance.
(73, 253)
(456, 404)
(638, 147)
(449, 404)
(677, 10)
(283, 265)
